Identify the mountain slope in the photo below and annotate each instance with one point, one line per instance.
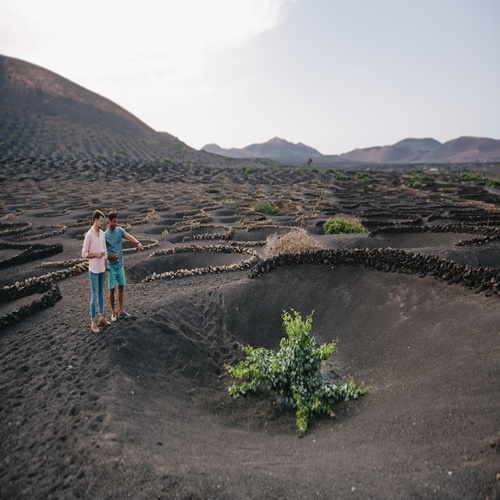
(405, 151)
(43, 92)
(275, 148)
(47, 117)
(465, 149)
(410, 150)
(461, 150)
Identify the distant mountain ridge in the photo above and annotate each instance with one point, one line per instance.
(411, 150)
(46, 117)
(274, 148)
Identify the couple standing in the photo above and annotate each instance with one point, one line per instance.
(104, 252)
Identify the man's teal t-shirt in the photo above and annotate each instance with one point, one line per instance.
(114, 245)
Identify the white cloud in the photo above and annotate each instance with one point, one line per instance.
(124, 37)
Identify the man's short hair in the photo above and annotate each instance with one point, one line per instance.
(97, 214)
(113, 214)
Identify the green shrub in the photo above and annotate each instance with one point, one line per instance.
(419, 181)
(306, 169)
(100, 156)
(469, 176)
(293, 373)
(247, 170)
(343, 225)
(265, 207)
(492, 183)
(341, 177)
(363, 176)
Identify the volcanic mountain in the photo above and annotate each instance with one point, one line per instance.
(275, 148)
(461, 150)
(411, 150)
(46, 117)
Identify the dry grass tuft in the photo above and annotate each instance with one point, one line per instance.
(298, 240)
(152, 215)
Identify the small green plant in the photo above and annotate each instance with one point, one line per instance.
(419, 181)
(165, 232)
(343, 225)
(265, 207)
(247, 169)
(227, 200)
(469, 176)
(492, 183)
(166, 160)
(364, 177)
(341, 177)
(293, 373)
(100, 156)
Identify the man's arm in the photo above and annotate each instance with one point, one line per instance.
(134, 240)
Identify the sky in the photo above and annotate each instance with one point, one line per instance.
(333, 74)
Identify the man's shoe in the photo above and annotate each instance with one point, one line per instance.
(124, 315)
(114, 318)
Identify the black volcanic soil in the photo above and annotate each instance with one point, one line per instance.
(142, 409)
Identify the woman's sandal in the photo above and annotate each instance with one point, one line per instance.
(94, 328)
(104, 322)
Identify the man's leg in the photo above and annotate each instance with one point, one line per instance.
(112, 286)
(120, 298)
(121, 284)
(112, 301)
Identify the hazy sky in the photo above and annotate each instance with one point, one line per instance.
(333, 74)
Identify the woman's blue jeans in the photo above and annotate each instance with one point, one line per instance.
(97, 293)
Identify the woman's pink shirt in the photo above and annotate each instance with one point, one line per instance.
(95, 243)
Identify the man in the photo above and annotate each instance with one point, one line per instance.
(114, 237)
(94, 249)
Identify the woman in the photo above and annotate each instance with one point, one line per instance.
(94, 249)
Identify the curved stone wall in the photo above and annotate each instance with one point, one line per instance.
(480, 279)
